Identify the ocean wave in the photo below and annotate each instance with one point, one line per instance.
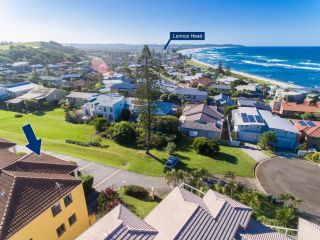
(276, 60)
(280, 65)
(310, 63)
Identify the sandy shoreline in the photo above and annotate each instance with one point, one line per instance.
(271, 81)
(258, 78)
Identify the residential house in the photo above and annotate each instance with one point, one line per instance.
(21, 67)
(223, 88)
(312, 99)
(222, 100)
(18, 89)
(310, 132)
(77, 99)
(290, 95)
(201, 120)
(226, 79)
(249, 123)
(253, 102)
(52, 81)
(287, 135)
(251, 89)
(191, 94)
(108, 106)
(308, 230)
(201, 81)
(4, 94)
(184, 214)
(40, 95)
(291, 109)
(7, 145)
(40, 198)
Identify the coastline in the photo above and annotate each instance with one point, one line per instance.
(254, 77)
(258, 79)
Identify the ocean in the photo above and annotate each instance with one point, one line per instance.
(297, 65)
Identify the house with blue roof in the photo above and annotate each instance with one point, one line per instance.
(222, 100)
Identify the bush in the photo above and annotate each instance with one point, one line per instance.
(158, 141)
(167, 124)
(137, 192)
(100, 124)
(267, 140)
(315, 157)
(171, 148)
(123, 132)
(87, 182)
(108, 199)
(93, 143)
(125, 114)
(18, 116)
(205, 146)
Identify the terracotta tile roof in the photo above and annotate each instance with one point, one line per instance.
(294, 107)
(29, 186)
(204, 81)
(308, 130)
(7, 158)
(5, 144)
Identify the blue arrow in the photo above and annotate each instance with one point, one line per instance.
(34, 143)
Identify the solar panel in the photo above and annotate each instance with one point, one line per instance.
(244, 117)
(251, 118)
(311, 124)
(303, 123)
(259, 118)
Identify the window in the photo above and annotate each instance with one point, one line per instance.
(56, 209)
(61, 230)
(67, 200)
(111, 109)
(72, 219)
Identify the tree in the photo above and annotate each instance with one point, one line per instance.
(87, 182)
(125, 114)
(219, 69)
(205, 146)
(238, 82)
(285, 215)
(306, 116)
(123, 132)
(267, 140)
(100, 124)
(147, 92)
(171, 148)
(167, 124)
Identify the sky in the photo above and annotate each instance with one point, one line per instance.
(246, 22)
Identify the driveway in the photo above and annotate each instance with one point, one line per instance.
(300, 178)
(254, 152)
(105, 176)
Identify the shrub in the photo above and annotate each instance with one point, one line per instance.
(100, 124)
(136, 191)
(205, 146)
(125, 114)
(267, 140)
(158, 141)
(87, 182)
(123, 132)
(18, 116)
(315, 157)
(167, 124)
(108, 199)
(93, 143)
(171, 148)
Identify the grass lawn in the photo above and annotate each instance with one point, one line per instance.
(139, 207)
(54, 130)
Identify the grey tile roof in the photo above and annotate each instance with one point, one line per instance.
(258, 231)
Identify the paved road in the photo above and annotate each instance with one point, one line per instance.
(300, 178)
(105, 176)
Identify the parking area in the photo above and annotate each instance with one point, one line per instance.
(300, 178)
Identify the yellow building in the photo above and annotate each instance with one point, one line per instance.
(40, 199)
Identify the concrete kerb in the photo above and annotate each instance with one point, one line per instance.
(255, 174)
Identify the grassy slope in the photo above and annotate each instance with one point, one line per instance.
(52, 128)
(27, 44)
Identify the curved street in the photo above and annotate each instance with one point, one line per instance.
(297, 177)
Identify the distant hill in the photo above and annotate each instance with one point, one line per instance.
(39, 52)
(138, 47)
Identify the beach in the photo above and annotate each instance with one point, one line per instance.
(254, 77)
